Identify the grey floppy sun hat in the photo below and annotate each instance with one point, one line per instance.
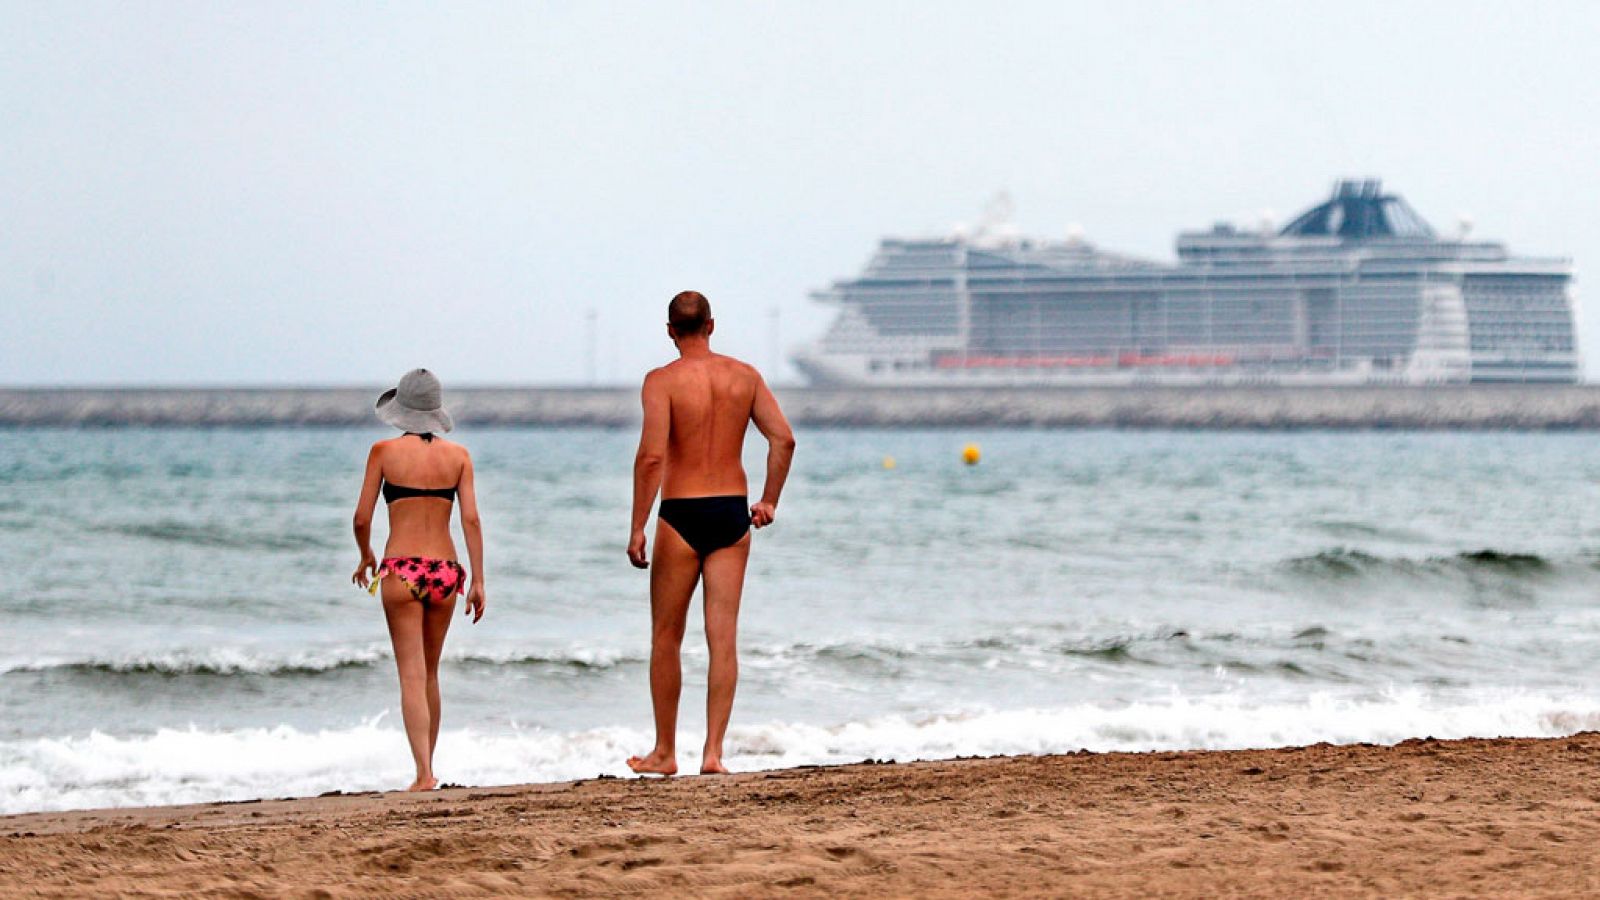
(416, 404)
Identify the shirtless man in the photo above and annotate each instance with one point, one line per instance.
(696, 413)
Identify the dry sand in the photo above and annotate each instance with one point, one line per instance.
(1437, 818)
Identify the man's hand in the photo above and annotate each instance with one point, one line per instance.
(476, 600)
(636, 551)
(762, 514)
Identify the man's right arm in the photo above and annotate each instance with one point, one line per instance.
(780, 452)
(648, 462)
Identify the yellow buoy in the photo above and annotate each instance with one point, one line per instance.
(888, 462)
(970, 454)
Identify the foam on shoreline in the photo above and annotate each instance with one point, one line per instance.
(195, 765)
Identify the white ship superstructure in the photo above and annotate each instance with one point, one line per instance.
(1357, 290)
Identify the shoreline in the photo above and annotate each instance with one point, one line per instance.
(1473, 816)
(1458, 407)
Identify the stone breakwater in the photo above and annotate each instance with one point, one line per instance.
(1471, 407)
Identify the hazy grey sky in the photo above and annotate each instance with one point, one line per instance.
(335, 192)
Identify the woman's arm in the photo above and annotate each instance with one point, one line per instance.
(363, 518)
(472, 527)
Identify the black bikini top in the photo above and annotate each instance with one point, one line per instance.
(393, 492)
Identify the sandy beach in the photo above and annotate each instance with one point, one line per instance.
(1439, 818)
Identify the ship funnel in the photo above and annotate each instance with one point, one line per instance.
(1360, 210)
(1358, 189)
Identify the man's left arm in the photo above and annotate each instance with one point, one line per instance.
(780, 452)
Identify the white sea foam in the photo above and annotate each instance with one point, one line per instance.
(246, 660)
(185, 766)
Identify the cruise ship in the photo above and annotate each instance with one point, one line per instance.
(1358, 290)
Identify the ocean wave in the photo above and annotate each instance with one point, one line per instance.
(875, 654)
(1342, 563)
(886, 656)
(193, 766)
(1308, 651)
(216, 536)
(1366, 530)
(228, 661)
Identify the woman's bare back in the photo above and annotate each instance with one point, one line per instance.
(420, 526)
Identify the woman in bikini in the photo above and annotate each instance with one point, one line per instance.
(420, 476)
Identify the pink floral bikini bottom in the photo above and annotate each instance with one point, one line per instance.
(435, 580)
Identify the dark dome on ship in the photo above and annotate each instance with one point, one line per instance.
(1359, 210)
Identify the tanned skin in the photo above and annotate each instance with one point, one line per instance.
(696, 413)
(420, 526)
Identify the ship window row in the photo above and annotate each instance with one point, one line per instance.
(889, 314)
(1545, 346)
(1512, 313)
(1527, 334)
(1553, 341)
(1504, 322)
(1029, 330)
(1480, 287)
(1553, 285)
(1516, 303)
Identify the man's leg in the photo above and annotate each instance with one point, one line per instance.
(674, 570)
(724, 579)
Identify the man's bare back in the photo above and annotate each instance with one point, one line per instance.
(711, 401)
(697, 411)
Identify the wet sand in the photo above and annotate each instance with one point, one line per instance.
(1436, 818)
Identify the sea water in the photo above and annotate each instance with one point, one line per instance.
(178, 622)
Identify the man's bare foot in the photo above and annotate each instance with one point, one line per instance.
(712, 766)
(424, 784)
(657, 763)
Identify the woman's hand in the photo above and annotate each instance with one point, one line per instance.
(476, 601)
(365, 571)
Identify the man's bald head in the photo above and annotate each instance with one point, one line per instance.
(689, 313)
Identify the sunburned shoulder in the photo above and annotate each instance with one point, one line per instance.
(714, 361)
(453, 447)
(738, 365)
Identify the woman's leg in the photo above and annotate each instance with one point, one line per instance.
(435, 623)
(405, 616)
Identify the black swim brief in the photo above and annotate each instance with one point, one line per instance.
(707, 524)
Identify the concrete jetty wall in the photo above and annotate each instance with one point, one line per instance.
(1474, 407)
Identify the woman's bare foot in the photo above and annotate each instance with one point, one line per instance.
(424, 784)
(711, 765)
(659, 762)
